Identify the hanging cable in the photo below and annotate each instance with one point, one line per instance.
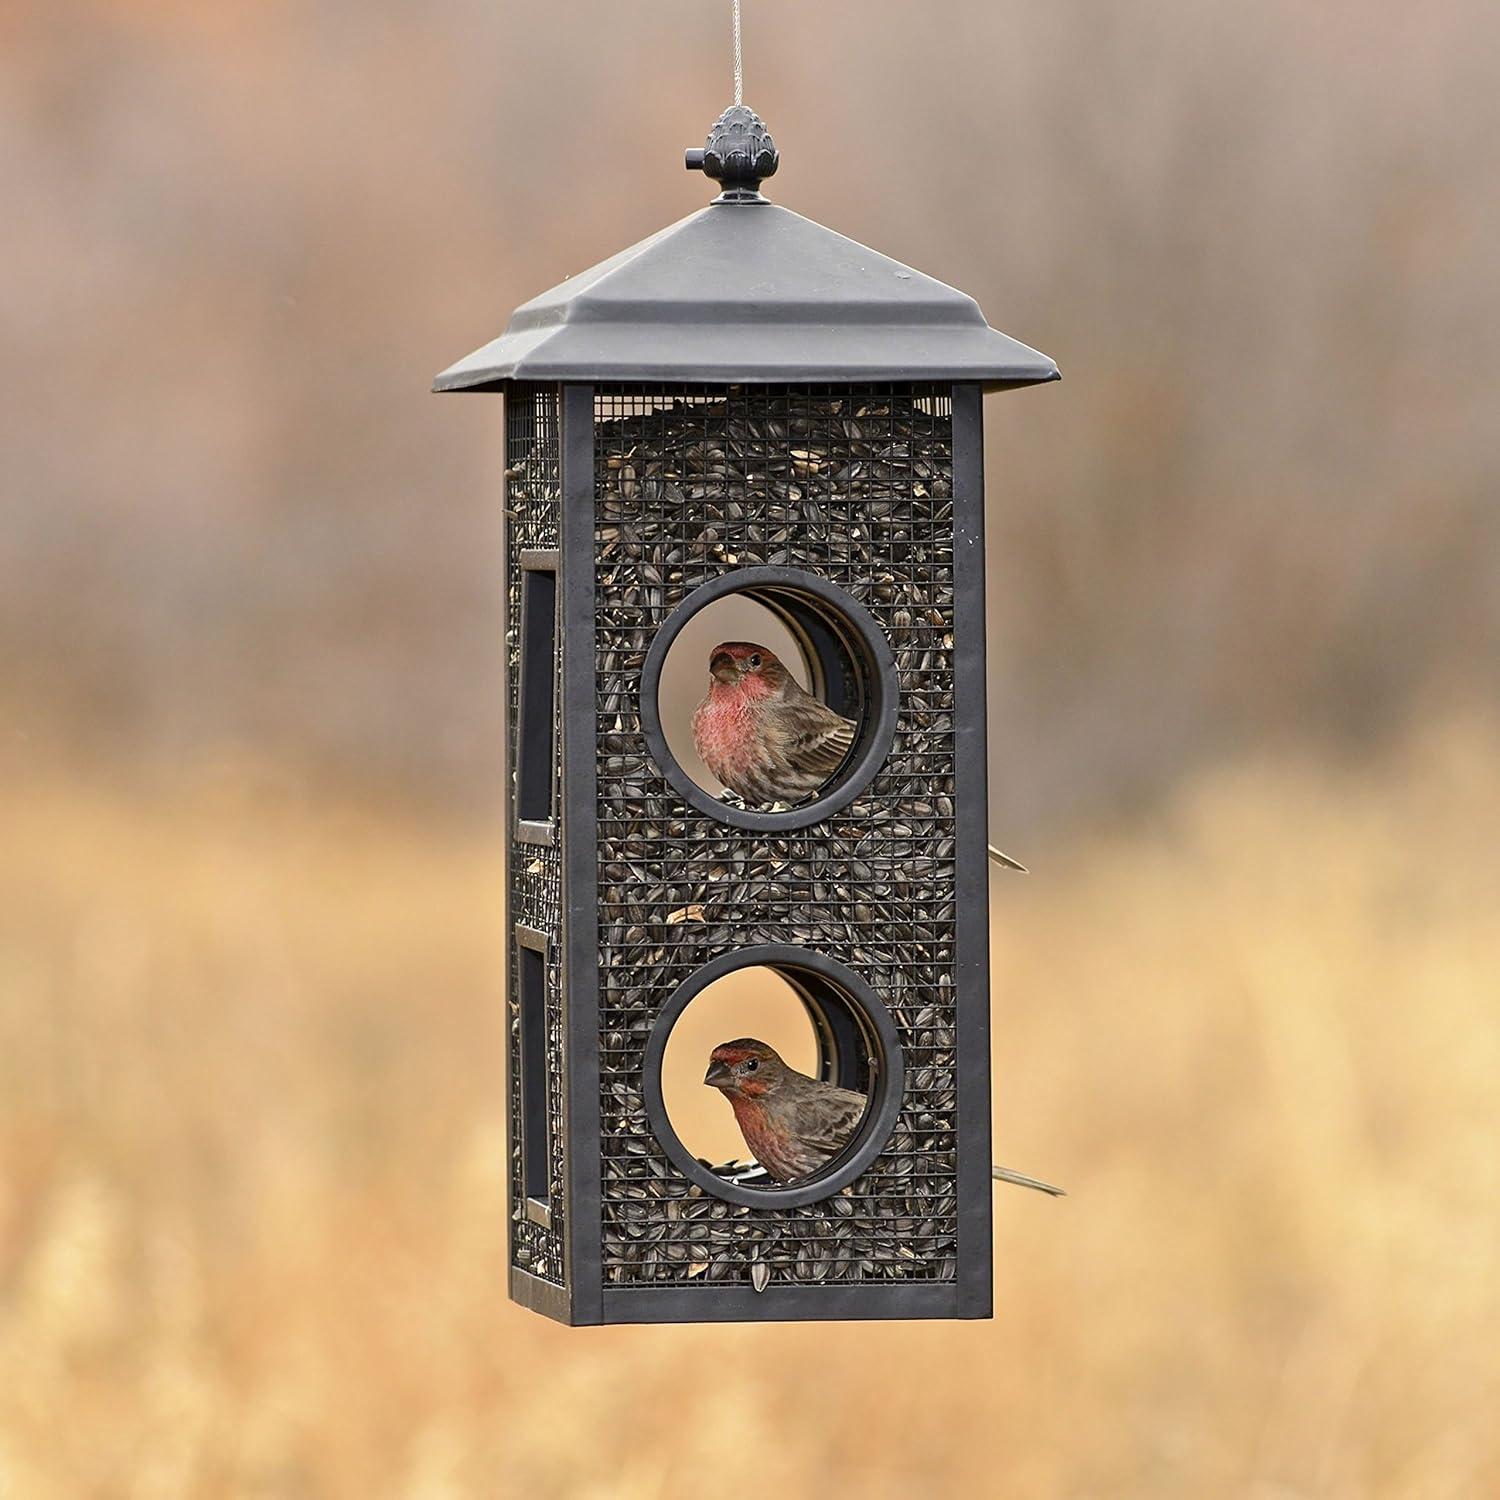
(739, 61)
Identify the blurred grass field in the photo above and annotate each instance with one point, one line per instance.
(252, 1135)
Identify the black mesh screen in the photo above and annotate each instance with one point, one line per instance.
(533, 489)
(853, 484)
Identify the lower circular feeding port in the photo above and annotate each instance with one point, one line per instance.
(773, 1076)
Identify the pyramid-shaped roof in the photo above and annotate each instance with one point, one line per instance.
(747, 291)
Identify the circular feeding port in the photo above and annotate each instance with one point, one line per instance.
(768, 698)
(773, 1076)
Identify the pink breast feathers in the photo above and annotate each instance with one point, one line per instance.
(724, 732)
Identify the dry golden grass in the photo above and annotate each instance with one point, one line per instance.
(251, 1218)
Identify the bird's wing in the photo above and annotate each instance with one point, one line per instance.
(811, 737)
(827, 1120)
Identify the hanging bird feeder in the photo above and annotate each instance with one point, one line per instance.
(747, 405)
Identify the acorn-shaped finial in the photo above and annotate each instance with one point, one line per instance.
(739, 153)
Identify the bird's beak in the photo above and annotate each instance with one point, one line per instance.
(718, 1076)
(722, 666)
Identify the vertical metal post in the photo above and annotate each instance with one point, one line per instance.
(580, 855)
(971, 789)
(507, 808)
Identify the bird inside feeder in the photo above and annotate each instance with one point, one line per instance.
(769, 740)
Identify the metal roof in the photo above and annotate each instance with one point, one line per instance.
(745, 291)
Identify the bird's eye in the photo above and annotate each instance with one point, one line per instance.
(751, 1064)
(754, 662)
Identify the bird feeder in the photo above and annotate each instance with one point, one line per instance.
(747, 403)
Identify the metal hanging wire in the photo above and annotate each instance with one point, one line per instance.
(739, 60)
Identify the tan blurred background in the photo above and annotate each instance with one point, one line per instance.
(1245, 629)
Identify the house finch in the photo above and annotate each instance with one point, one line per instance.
(793, 1124)
(761, 733)
(765, 737)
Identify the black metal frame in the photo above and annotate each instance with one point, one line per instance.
(580, 857)
(971, 789)
(587, 1292)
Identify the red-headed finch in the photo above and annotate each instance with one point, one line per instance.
(793, 1124)
(761, 733)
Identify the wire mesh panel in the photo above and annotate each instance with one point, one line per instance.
(855, 486)
(533, 500)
